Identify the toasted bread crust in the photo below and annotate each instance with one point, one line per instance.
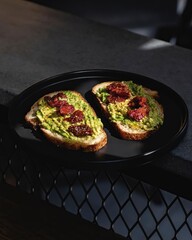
(30, 117)
(131, 135)
(74, 145)
(125, 132)
(57, 139)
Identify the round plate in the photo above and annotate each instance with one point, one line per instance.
(117, 152)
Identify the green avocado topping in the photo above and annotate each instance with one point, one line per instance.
(51, 119)
(118, 110)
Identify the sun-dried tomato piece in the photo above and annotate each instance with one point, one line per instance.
(66, 109)
(139, 108)
(118, 89)
(76, 116)
(57, 100)
(81, 130)
(118, 92)
(138, 113)
(138, 102)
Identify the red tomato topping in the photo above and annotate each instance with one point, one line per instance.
(81, 130)
(137, 102)
(66, 109)
(118, 92)
(118, 89)
(57, 100)
(76, 116)
(139, 108)
(138, 113)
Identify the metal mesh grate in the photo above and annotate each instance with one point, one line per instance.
(113, 200)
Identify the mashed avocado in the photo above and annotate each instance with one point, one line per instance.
(118, 110)
(50, 118)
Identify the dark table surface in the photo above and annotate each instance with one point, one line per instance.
(37, 42)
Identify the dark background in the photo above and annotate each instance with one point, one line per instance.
(167, 20)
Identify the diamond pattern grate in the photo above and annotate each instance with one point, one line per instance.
(113, 200)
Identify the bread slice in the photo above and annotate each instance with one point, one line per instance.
(49, 121)
(126, 127)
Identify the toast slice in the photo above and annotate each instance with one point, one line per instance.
(132, 109)
(67, 120)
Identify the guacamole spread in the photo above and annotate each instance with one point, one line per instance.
(61, 113)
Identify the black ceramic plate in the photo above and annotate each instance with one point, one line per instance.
(117, 152)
